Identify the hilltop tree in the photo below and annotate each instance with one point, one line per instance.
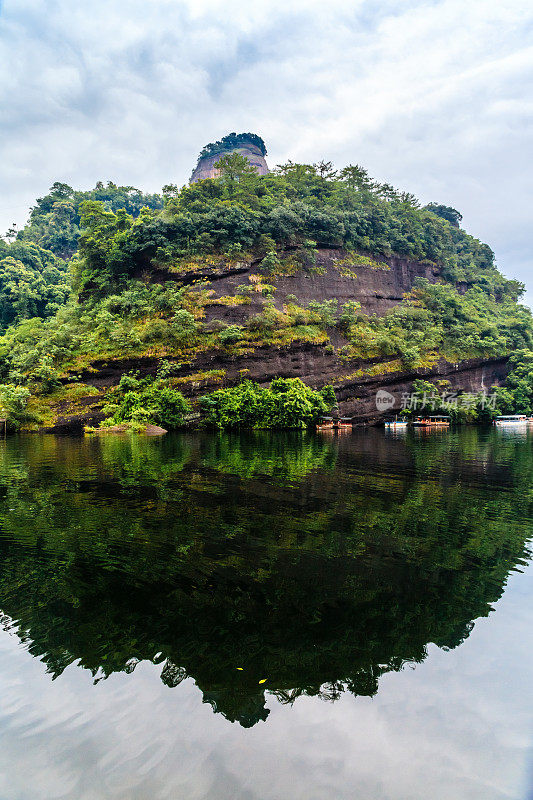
(356, 177)
(448, 213)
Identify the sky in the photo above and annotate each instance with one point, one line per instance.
(433, 96)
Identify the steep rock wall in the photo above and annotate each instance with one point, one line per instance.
(376, 288)
(376, 285)
(332, 273)
(356, 393)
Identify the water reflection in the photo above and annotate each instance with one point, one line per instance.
(288, 564)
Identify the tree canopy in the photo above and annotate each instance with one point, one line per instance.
(232, 141)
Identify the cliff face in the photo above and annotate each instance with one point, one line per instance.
(376, 286)
(206, 167)
(355, 391)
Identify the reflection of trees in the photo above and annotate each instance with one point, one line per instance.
(318, 565)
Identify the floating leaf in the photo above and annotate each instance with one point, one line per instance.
(240, 668)
(263, 680)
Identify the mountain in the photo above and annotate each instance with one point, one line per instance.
(188, 306)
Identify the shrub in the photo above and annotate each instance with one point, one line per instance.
(287, 403)
(244, 290)
(267, 320)
(146, 401)
(13, 402)
(156, 330)
(409, 357)
(327, 311)
(230, 335)
(184, 324)
(269, 263)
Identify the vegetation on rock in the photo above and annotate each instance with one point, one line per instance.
(231, 142)
(140, 402)
(116, 274)
(33, 282)
(517, 396)
(54, 222)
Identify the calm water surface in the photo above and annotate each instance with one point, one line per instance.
(267, 617)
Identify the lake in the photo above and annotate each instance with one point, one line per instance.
(266, 616)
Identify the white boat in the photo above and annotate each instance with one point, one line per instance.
(396, 424)
(512, 420)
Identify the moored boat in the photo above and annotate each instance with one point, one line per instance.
(512, 419)
(325, 424)
(334, 425)
(437, 421)
(396, 424)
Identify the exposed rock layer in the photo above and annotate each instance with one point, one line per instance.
(377, 286)
(356, 395)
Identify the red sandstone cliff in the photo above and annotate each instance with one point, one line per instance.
(377, 287)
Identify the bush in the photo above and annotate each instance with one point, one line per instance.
(327, 311)
(156, 330)
(146, 401)
(265, 321)
(230, 335)
(288, 403)
(269, 263)
(184, 325)
(13, 402)
(409, 357)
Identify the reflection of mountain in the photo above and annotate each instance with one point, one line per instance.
(316, 565)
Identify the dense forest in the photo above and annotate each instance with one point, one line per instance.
(113, 273)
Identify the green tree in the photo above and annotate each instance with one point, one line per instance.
(448, 213)
(236, 173)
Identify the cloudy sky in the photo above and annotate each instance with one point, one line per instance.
(434, 96)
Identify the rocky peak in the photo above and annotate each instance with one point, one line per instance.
(249, 145)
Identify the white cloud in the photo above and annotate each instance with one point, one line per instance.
(432, 96)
